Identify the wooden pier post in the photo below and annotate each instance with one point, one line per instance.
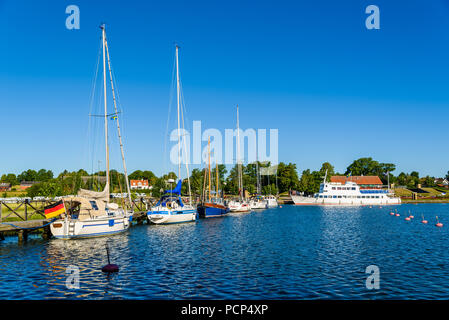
(22, 236)
(2, 237)
(46, 232)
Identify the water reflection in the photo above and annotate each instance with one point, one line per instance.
(288, 253)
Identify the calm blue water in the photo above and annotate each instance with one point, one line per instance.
(285, 253)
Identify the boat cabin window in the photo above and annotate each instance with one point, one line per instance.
(94, 205)
(353, 188)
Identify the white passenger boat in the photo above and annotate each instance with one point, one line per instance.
(170, 208)
(90, 214)
(347, 194)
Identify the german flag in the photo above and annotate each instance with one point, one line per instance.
(54, 210)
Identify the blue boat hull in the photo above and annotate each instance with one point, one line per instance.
(211, 210)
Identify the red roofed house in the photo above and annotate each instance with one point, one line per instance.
(365, 182)
(139, 184)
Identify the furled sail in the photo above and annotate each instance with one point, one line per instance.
(176, 190)
(102, 195)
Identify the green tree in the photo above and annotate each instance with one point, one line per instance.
(307, 183)
(10, 178)
(29, 175)
(330, 170)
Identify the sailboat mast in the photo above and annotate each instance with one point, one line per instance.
(210, 181)
(118, 126)
(105, 106)
(239, 169)
(179, 124)
(216, 186)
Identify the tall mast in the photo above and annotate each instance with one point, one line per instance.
(118, 126)
(179, 125)
(105, 106)
(210, 181)
(239, 168)
(216, 186)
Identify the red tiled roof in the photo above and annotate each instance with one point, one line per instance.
(136, 182)
(357, 179)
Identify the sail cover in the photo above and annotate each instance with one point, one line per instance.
(103, 195)
(176, 190)
(88, 208)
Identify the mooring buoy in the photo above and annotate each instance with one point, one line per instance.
(110, 267)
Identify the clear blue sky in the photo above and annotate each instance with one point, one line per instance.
(335, 90)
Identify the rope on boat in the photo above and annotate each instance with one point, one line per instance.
(21, 228)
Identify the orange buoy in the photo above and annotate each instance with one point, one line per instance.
(408, 218)
(439, 224)
(411, 217)
(397, 214)
(391, 213)
(423, 220)
(280, 206)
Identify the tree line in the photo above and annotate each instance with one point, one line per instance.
(284, 179)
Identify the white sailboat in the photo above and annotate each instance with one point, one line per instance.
(258, 201)
(240, 205)
(271, 201)
(90, 214)
(170, 208)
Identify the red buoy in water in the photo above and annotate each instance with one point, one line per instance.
(407, 218)
(397, 214)
(439, 224)
(391, 213)
(110, 267)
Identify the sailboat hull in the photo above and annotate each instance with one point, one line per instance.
(171, 217)
(239, 207)
(74, 229)
(211, 210)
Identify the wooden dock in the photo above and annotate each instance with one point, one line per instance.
(25, 217)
